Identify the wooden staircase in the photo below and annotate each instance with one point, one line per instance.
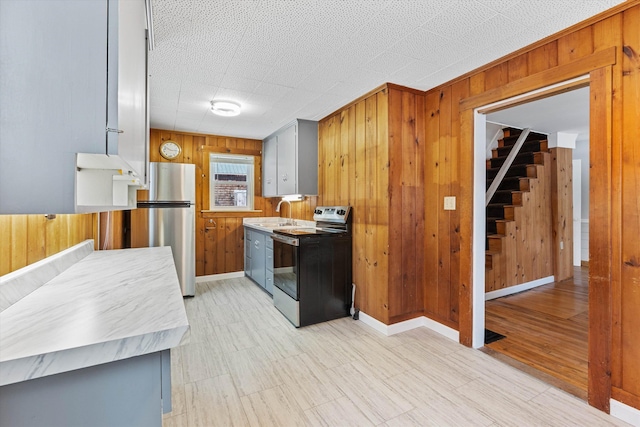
(518, 241)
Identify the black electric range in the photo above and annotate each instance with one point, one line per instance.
(312, 268)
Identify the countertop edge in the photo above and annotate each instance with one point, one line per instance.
(37, 366)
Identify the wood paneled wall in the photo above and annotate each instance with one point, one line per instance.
(25, 239)
(370, 158)
(607, 47)
(562, 212)
(219, 235)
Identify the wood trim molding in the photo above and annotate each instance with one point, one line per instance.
(539, 80)
(600, 234)
(541, 94)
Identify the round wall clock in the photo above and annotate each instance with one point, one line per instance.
(170, 150)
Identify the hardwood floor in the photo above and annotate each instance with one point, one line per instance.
(244, 364)
(546, 328)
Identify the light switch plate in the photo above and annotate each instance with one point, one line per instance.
(450, 203)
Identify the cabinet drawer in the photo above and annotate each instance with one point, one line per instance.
(269, 282)
(269, 260)
(269, 242)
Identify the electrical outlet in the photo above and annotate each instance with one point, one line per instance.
(561, 245)
(450, 203)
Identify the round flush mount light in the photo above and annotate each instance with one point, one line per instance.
(225, 108)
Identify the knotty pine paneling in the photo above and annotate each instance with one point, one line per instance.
(25, 239)
(370, 157)
(626, 167)
(219, 235)
(615, 188)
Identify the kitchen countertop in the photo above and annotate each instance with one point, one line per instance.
(270, 223)
(109, 306)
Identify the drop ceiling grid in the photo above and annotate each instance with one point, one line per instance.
(304, 59)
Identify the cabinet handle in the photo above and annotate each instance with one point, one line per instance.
(285, 177)
(257, 244)
(114, 130)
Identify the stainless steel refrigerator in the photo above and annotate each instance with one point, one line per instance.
(171, 205)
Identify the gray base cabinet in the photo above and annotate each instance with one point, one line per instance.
(258, 258)
(129, 392)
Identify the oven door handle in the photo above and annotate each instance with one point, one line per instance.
(286, 240)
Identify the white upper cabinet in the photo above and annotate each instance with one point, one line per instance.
(59, 86)
(290, 158)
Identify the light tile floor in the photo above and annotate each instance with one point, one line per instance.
(244, 364)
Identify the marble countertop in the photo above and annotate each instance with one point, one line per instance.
(270, 223)
(109, 306)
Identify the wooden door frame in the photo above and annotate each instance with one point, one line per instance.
(599, 68)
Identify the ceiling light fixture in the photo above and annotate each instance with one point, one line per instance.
(225, 108)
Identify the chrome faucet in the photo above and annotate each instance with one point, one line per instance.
(290, 222)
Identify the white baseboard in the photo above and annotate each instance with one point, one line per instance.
(518, 288)
(222, 276)
(625, 413)
(407, 325)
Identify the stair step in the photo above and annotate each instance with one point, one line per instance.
(510, 140)
(514, 170)
(527, 147)
(495, 242)
(502, 196)
(521, 159)
(496, 210)
(512, 183)
(492, 225)
(488, 258)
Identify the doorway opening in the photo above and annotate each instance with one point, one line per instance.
(535, 297)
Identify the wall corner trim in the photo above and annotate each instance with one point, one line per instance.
(407, 325)
(625, 413)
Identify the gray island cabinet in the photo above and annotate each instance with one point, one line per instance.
(85, 338)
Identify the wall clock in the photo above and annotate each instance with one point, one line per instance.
(170, 150)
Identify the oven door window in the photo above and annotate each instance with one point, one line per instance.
(285, 268)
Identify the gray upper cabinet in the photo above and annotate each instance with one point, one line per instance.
(59, 87)
(269, 171)
(290, 157)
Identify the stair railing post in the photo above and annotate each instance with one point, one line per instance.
(506, 165)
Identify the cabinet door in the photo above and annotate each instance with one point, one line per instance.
(287, 160)
(132, 86)
(258, 252)
(269, 171)
(53, 99)
(247, 252)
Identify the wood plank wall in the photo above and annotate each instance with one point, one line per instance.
(219, 235)
(615, 189)
(562, 212)
(25, 239)
(370, 155)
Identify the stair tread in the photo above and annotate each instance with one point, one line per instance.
(496, 236)
(490, 252)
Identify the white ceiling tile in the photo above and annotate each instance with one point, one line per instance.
(490, 32)
(462, 15)
(388, 62)
(279, 59)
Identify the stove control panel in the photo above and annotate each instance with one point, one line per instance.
(336, 214)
